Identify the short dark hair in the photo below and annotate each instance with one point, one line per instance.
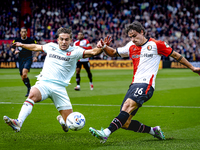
(137, 26)
(64, 30)
(23, 28)
(81, 32)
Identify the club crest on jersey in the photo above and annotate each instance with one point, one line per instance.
(149, 47)
(68, 53)
(53, 48)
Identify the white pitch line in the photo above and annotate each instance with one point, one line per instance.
(108, 105)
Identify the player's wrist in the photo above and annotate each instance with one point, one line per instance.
(104, 47)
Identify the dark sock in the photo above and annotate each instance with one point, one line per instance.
(78, 79)
(27, 82)
(90, 76)
(119, 121)
(136, 126)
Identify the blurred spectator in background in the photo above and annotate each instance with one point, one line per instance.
(173, 21)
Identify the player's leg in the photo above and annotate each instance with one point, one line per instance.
(62, 103)
(26, 80)
(117, 122)
(62, 118)
(24, 75)
(135, 97)
(136, 126)
(26, 109)
(87, 68)
(78, 78)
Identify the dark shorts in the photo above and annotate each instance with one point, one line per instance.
(140, 93)
(25, 63)
(86, 65)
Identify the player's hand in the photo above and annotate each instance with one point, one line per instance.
(34, 59)
(17, 44)
(16, 52)
(100, 44)
(107, 40)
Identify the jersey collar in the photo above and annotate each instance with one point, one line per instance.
(148, 38)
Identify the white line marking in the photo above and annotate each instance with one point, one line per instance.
(108, 105)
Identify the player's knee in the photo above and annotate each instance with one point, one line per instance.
(125, 106)
(34, 95)
(24, 75)
(129, 106)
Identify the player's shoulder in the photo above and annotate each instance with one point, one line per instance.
(129, 44)
(31, 40)
(160, 43)
(76, 48)
(86, 40)
(156, 41)
(76, 41)
(17, 40)
(51, 44)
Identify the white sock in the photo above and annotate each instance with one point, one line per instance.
(25, 110)
(107, 132)
(78, 86)
(152, 131)
(91, 83)
(62, 120)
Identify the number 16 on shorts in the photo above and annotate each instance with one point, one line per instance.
(139, 91)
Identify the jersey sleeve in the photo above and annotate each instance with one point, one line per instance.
(124, 51)
(79, 52)
(163, 48)
(46, 47)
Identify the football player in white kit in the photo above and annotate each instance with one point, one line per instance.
(85, 44)
(59, 67)
(145, 54)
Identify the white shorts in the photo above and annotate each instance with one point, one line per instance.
(57, 93)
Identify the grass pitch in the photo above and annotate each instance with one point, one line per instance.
(175, 106)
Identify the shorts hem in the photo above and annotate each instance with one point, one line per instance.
(64, 108)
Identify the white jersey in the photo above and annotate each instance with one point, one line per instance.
(85, 44)
(146, 59)
(59, 65)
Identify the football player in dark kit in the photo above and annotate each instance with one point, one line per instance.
(25, 57)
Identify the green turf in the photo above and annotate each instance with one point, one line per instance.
(175, 106)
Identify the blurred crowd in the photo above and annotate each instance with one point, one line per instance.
(176, 22)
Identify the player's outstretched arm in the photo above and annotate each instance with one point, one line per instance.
(32, 47)
(184, 61)
(107, 49)
(92, 52)
(99, 49)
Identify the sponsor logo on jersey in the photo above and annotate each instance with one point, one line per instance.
(58, 57)
(142, 55)
(149, 47)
